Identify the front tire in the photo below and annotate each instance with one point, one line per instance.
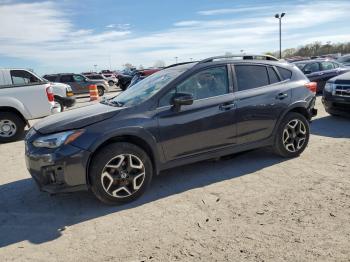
(120, 173)
(292, 135)
(11, 127)
(122, 86)
(101, 91)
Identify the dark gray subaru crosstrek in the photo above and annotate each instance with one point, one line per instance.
(180, 115)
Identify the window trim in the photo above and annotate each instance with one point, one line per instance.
(229, 81)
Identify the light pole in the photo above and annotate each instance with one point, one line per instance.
(279, 17)
(176, 59)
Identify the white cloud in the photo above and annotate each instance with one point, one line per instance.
(233, 10)
(43, 33)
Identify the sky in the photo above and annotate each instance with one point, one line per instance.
(75, 35)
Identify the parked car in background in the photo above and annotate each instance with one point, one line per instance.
(142, 74)
(124, 80)
(336, 95)
(64, 96)
(23, 96)
(345, 60)
(320, 70)
(79, 83)
(111, 78)
(177, 116)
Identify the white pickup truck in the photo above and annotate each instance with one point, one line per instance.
(23, 96)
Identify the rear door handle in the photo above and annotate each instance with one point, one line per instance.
(227, 106)
(281, 96)
(320, 74)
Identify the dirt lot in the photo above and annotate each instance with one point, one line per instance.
(253, 207)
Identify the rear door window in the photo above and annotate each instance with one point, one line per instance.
(251, 76)
(78, 78)
(22, 77)
(312, 68)
(50, 78)
(335, 65)
(67, 79)
(326, 65)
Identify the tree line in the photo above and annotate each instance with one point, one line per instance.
(315, 49)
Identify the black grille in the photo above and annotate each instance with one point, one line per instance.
(342, 90)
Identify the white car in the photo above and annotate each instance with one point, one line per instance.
(111, 78)
(23, 96)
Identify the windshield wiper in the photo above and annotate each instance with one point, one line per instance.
(119, 104)
(110, 102)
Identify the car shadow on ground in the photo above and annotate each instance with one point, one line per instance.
(27, 214)
(331, 126)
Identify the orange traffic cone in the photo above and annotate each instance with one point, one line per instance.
(93, 93)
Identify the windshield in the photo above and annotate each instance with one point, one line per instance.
(146, 88)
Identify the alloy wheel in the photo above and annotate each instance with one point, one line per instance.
(294, 135)
(7, 128)
(123, 175)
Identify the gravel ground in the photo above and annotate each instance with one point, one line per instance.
(253, 206)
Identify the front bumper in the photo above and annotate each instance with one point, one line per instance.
(336, 104)
(57, 171)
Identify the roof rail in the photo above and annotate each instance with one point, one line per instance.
(244, 57)
(183, 63)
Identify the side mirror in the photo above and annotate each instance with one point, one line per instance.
(182, 99)
(306, 72)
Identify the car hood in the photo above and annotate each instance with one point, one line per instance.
(75, 119)
(341, 79)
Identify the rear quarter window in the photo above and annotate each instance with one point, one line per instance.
(273, 75)
(285, 73)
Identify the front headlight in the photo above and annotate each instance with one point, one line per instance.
(329, 87)
(56, 140)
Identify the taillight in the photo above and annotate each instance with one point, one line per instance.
(312, 86)
(49, 94)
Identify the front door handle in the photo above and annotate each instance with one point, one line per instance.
(320, 74)
(281, 96)
(227, 106)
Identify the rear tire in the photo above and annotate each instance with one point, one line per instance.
(120, 173)
(11, 127)
(292, 135)
(60, 104)
(110, 83)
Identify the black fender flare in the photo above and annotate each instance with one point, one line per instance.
(291, 107)
(127, 134)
